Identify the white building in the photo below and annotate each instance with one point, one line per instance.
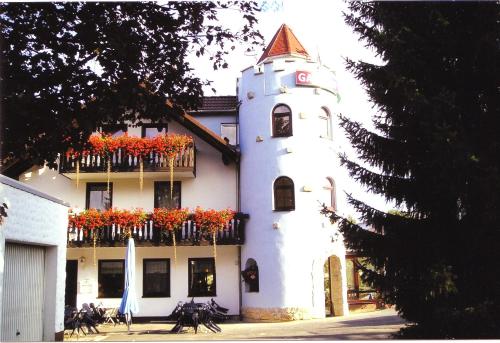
(277, 169)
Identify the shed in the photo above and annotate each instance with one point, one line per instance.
(32, 264)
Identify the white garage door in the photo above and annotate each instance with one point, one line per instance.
(23, 289)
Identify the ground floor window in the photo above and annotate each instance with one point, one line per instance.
(201, 277)
(357, 289)
(156, 278)
(111, 278)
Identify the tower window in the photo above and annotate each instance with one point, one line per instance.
(284, 194)
(325, 124)
(282, 121)
(330, 187)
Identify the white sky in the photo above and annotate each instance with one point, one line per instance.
(320, 27)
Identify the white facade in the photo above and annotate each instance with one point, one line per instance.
(289, 247)
(39, 221)
(290, 257)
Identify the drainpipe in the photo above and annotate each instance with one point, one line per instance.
(238, 206)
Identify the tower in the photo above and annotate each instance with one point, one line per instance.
(288, 166)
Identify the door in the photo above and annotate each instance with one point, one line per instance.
(71, 282)
(23, 290)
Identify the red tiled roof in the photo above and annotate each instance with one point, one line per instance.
(218, 104)
(284, 43)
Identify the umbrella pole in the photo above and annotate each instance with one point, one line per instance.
(128, 321)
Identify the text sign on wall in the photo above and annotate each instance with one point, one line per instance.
(325, 80)
(303, 78)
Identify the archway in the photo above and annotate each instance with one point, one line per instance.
(333, 286)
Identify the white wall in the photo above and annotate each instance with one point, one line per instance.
(38, 219)
(288, 257)
(227, 277)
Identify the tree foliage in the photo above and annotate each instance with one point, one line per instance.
(68, 68)
(435, 152)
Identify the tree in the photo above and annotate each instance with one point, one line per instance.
(69, 68)
(435, 152)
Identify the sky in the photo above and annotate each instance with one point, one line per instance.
(320, 27)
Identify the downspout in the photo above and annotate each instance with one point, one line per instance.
(238, 206)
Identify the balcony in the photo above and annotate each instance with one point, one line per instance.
(125, 165)
(149, 235)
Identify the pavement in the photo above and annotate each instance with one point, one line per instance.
(361, 326)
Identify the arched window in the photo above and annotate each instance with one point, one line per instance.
(325, 124)
(284, 195)
(330, 186)
(282, 121)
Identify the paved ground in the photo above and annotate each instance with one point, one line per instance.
(372, 325)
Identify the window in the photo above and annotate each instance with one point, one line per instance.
(201, 277)
(156, 278)
(325, 124)
(115, 130)
(98, 196)
(282, 121)
(162, 195)
(229, 131)
(330, 187)
(284, 194)
(153, 130)
(111, 278)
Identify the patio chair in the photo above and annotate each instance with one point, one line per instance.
(110, 316)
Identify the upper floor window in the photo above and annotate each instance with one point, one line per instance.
(325, 124)
(229, 131)
(330, 187)
(110, 278)
(153, 130)
(162, 195)
(282, 121)
(156, 277)
(284, 194)
(201, 277)
(115, 130)
(98, 196)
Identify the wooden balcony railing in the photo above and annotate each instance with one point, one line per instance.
(124, 162)
(149, 235)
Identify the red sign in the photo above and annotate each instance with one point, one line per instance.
(303, 78)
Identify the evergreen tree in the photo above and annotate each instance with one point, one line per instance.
(67, 68)
(435, 152)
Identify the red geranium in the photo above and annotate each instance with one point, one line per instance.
(212, 220)
(169, 219)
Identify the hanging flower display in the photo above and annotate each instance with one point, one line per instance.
(171, 146)
(168, 145)
(92, 219)
(170, 219)
(213, 221)
(209, 221)
(105, 146)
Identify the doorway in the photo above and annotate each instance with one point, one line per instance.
(333, 286)
(71, 282)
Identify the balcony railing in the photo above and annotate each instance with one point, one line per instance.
(124, 162)
(149, 235)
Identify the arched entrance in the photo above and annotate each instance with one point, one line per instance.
(333, 286)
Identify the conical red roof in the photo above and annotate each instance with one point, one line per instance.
(284, 43)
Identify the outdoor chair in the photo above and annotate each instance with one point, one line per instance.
(72, 321)
(111, 316)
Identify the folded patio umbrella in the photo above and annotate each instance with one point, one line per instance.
(129, 304)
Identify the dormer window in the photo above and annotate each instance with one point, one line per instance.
(153, 130)
(282, 121)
